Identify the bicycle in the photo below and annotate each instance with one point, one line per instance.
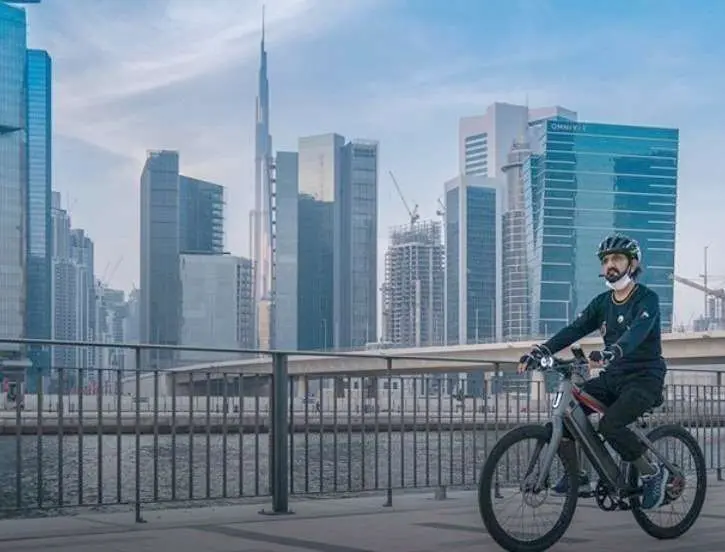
(618, 486)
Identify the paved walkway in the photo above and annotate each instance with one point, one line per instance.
(416, 523)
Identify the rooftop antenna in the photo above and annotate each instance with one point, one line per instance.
(263, 7)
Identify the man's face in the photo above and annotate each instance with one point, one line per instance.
(614, 266)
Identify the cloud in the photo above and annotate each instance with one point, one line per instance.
(182, 74)
(133, 76)
(137, 52)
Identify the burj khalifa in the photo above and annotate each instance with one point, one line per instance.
(261, 222)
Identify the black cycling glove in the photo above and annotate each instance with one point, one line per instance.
(531, 359)
(605, 356)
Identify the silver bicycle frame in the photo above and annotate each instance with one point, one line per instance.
(567, 412)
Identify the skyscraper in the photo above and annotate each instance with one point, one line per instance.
(261, 220)
(485, 144)
(356, 312)
(337, 233)
(515, 270)
(38, 322)
(473, 253)
(201, 216)
(413, 292)
(73, 291)
(319, 237)
(82, 254)
(111, 314)
(179, 214)
(160, 249)
(287, 240)
(13, 172)
(484, 141)
(586, 180)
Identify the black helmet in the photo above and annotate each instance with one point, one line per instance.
(619, 243)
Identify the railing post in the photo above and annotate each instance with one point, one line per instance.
(497, 414)
(279, 428)
(719, 470)
(389, 490)
(137, 508)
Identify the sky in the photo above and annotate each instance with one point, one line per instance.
(130, 76)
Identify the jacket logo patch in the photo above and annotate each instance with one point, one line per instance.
(644, 314)
(620, 319)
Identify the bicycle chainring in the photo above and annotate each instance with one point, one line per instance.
(606, 500)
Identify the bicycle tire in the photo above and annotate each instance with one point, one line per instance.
(486, 483)
(640, 515)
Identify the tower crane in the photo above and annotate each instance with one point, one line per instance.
(441, 212)
(717, 294)
(414, 216)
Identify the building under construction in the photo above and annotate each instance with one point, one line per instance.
(413, 300)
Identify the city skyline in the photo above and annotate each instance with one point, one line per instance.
(415, 119)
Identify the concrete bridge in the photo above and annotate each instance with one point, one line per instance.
(681, 350)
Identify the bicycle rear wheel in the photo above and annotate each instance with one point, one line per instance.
(491, 492)
(678, 489)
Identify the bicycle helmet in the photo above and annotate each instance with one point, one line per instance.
(622, 244)
(619, 243)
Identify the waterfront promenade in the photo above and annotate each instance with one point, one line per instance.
(102, 448)
(415, 523)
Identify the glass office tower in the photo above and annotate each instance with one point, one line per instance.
(38, 200)
(13, 172)
(201, 216)
(472, 257)
(582, 182)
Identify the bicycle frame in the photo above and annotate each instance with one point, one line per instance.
(568, 412)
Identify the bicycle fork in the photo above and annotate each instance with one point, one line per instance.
(556, 428)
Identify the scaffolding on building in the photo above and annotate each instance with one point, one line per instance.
(413, 292)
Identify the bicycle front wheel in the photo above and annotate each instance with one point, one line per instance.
(498, 487)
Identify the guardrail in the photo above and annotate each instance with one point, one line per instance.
(100, 437)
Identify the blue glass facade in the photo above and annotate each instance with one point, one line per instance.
(586, 180)
(315, 291)
(356, 204)
(337, 239)
(13, 171)
(160, 308)
(472, 230)
(480, 250)
(201, 216)
(38, 200)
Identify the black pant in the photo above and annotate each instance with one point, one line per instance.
(627, 397)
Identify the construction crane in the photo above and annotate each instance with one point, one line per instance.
(414, 216)
(442, 211)
(717, 310)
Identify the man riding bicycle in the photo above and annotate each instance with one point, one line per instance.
(628, 318)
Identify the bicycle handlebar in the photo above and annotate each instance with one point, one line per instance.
(565, 366)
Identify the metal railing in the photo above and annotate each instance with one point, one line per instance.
(104, 436)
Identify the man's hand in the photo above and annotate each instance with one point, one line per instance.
(597, 359)
(532, 358)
